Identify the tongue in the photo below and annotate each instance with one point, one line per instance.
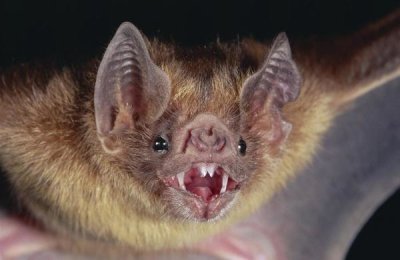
(204, 192)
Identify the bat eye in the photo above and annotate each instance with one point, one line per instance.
(242, 147)
(160, 145)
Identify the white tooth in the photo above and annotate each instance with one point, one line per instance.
(181, 177)
(211, 169)
(203, 171)
(224, 183)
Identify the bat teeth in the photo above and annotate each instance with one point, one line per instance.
(224, 183)
(210, 169)
(203, 170)
(181, 178)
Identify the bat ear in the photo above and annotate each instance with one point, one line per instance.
(265, 92)
(129, 86)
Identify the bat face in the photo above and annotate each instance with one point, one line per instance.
(191, 131)
(176, 137)
(203, 167)
(195, 157)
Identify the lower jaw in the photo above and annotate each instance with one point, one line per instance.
(213, 210)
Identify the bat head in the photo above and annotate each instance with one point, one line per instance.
(191, 128)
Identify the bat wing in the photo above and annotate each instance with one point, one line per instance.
(320, 212)
(367, 59)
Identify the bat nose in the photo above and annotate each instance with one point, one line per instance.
(208, 139)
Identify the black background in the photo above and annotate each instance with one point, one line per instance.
(70, 32)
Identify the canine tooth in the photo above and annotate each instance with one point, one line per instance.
(211, 169)
(224, 183)
(181, 177)
(203, 171)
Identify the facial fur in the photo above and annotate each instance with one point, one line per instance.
(96, 171)
(156, 143)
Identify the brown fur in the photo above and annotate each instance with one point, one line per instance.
(59, 171)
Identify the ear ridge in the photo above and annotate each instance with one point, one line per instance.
(279, 70)
(264, 93)
(281, 62)
(129, 86)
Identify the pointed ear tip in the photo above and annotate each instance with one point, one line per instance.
(127, 26)
(282, 36)
(126, 23)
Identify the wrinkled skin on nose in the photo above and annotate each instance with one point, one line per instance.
(207, 140)
(205, 137)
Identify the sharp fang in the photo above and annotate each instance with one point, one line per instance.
(211, 169)
(181, 177)
(224, 183)
(203, 171)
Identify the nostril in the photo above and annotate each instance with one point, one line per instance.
(219, 144)
(207, 139)
(196, 142)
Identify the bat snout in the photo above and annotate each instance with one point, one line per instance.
(207, 139)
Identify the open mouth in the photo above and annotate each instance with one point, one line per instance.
(208, 181)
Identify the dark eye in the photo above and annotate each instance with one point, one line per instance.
(242, 147)
(160, 145)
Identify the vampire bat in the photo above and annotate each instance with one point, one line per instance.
(156, 146)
